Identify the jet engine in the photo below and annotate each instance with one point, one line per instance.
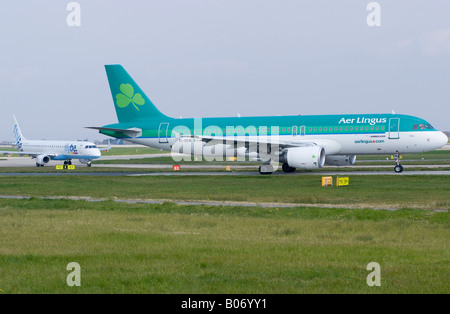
(42, 160)
(310, 157)
(340, 160)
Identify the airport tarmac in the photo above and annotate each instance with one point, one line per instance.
(252, 169)
(217, 173)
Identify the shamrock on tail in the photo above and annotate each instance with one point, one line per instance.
(128, 96)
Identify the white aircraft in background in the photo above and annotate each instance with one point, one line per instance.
(44, 151)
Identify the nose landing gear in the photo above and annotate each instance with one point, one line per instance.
(398, 168)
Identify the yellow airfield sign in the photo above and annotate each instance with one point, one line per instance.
(65, 167)
(343, 181)
(340, 181)
(327, 181)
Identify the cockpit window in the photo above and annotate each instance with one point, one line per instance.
(423, 126)
(91, 146)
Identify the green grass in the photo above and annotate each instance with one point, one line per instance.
(169, 248)
(138, 248)
(413, 191)
(118, 151)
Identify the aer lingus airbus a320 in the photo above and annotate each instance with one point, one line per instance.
(303, 142)
(44, 150)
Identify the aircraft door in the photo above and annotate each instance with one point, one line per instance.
(394, 128)
(302, 130)
(162, 132)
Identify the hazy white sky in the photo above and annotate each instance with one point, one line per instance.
(202, 58)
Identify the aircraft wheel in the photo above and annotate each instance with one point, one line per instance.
(266, 169)
(286, 168)
(398, 168)
(89, 164)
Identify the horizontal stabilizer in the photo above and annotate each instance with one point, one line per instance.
(133, 132)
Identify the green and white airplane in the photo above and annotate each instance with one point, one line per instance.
(303, 142)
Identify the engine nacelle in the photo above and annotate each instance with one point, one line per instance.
(340, 160)
(305, 157)
(42, 159)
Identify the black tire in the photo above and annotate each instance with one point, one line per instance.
(398, 168)
(287, 169)
(260, 171)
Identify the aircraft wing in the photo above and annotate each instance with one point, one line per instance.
(242, 141)
(32, 154)
(331, 146)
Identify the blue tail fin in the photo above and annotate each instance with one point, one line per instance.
(18, 137)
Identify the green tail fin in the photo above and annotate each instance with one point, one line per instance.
(130, 101)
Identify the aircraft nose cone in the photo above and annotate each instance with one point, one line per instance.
(442, 139)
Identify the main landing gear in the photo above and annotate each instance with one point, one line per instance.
(266, 168)
(67, 162)
(398, 168)
(287, 169)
